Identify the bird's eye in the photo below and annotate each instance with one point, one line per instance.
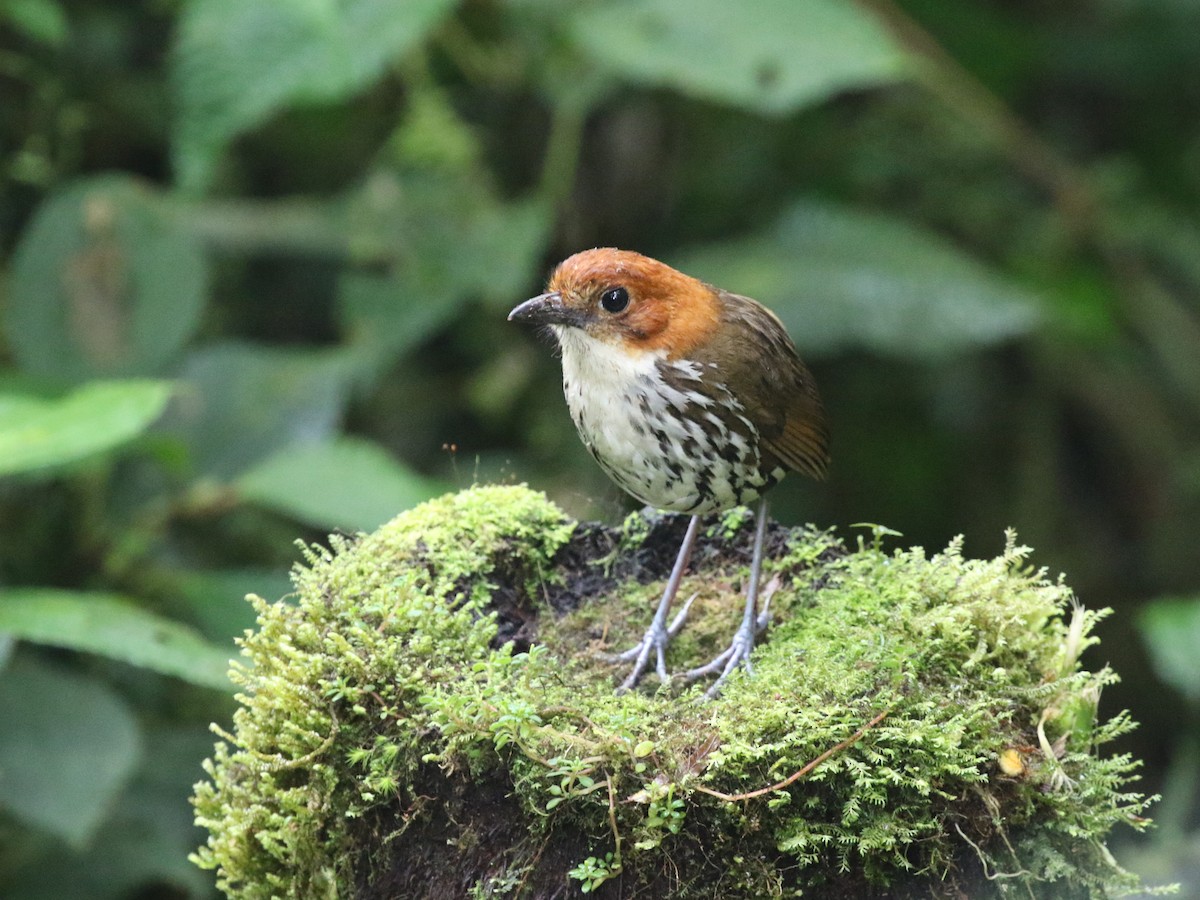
(614, 299)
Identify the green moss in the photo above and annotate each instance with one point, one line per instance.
(379, 724)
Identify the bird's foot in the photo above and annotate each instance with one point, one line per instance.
(738, 651)
(654, 641)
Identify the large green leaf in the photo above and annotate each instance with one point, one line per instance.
(106, 281)
(38, 433)
(455, 251)
(773, 56)
(388, 315)
(142, 848)
(112, 626)
(216, 599)
(38, 20)
(346, 483)
(237, 63)
(67, 746)
(1171, 629)
(840, 277)
(450, 238)
(239, 403)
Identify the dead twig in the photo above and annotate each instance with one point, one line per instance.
(796, 776)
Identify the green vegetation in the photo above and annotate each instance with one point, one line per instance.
(382, 728)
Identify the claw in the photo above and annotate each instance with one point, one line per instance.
(736, 654)
(655, 639)
(764, 617)
(681, 616)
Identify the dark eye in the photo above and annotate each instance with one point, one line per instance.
(614, 299)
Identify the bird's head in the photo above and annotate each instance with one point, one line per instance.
(627, 300)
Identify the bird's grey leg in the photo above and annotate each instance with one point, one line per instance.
(753, 624)
(659, 634)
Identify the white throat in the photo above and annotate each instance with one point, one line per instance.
(602, 368)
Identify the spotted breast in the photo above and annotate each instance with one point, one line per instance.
(669, 432)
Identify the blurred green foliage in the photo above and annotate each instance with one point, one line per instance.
(255, 260)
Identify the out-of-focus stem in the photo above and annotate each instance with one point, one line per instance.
(1180, 784)
(960, 90)
(562, 151)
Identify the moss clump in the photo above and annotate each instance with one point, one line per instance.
(410, 726)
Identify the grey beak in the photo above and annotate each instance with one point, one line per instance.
(545, 309)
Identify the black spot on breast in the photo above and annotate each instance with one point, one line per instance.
(704, 478)
(729, 452)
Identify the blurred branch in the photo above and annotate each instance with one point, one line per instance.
(1152, 311)
(1181, 781)
(246, 227)
(562, 150)
(480, 62)
(960, 90)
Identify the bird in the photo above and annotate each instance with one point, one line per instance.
(692, 399)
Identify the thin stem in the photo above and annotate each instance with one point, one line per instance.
(960, 90)
(562, 152)
(796, 776)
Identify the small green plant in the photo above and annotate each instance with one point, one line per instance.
(665, 815)
(731, 522)
(594, 871)
(634, 528)
(499, 885)
(878, 534)
(575, 780)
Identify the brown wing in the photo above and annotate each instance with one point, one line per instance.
(760, 364)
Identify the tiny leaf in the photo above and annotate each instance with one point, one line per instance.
(1171, 629)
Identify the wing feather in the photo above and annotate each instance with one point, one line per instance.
(760, 363)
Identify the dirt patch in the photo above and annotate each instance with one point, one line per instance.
(599, 558)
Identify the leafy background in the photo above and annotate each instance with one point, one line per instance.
(255, 260)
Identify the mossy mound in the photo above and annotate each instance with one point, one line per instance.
(431, 717)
